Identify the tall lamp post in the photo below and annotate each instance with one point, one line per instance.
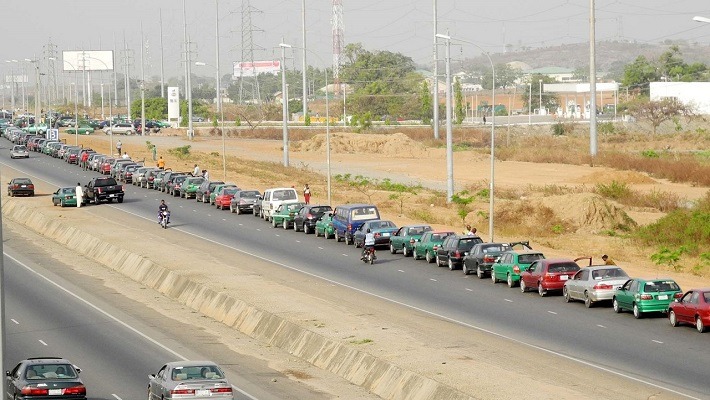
(221, 112)
(37, 94)
(76, 103)
(493, 122)
(284, 99)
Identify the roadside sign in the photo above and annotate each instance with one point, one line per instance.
(53, 134)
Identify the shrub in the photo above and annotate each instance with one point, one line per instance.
(606, 128)
(650, 154)
(615, 190)
(180, 152)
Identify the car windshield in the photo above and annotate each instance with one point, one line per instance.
(529, 258)
(197, 181)
(280, 195)
(382, 224)
(20, 148)
(23, 181)
(105, 182)
(196, 372)
(492, 248)
(49, 371)
(68, 190)
(439, 236)
(364, 213)
(249, 194)
(608, 273)
(563, 267)
(467, 243)
(661, 286)
(317, 210)
(419, 230)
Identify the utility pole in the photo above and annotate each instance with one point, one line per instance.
(162, 65)
(127, 78)
(305, 64)
(449, 132)
(284, 99)
(436, 73)
(188, 71)
(142, 83)
(592, 84)
(115, 75)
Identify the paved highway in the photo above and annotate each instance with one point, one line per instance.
(648, 350)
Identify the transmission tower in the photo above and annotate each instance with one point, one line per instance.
(338, 40)
(51, 57)
(249, 82)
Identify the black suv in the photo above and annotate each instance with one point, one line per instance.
(454, 249)
(202, 194)
(482, 256)
(305, 219)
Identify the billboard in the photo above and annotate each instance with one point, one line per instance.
(87, 60)
(249, 69)
(173, 102)
(16, 79)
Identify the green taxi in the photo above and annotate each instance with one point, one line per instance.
(646, 295)
(82, 129)
(405, 238)
(510, 263)
(284, 214)
(188, 190)
(64, 197)
(324, 226)
(426, 246)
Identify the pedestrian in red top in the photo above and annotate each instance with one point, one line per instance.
(84, 160)
(307, 194)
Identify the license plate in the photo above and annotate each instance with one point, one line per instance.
(386, 234)
(23, 185)
(564, 277)
(203, 392)
(55, 392)
(662, 297)
(112, 195)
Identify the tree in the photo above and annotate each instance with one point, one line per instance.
(658, 111)
(505, 76)
(549, 101)
(639, 73)
(426, 102)
(459, 109)
(155, 108)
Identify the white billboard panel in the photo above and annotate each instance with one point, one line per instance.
(16, 78)
(88, 60)
(173, 102)
(249, 69)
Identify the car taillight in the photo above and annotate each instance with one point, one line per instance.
(182, 391)
(350, 227)
(603, 286)
(377, 234)
(122, 188)
(435, 248)
(309, 216)
(516, 269)
(221, 390)
(457, 254)
(678, 295)
(646, 297)
(80, 389)
(411, 241)
(100, 190)
(34, 391)
(15, 186)
(488, 259)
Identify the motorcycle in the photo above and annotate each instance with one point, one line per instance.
(164, 219)
(369, 257)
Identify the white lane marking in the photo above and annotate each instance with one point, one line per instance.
(277, 235)
(14, 321)
(223, 219)
(116, 397)
(258, 229)
(433, 280)
(297, 241)
(657, 341)
(508, 300)
(43, 342)
(240, 224)
(601, 326)
(399, 270)
(552, 312)
(469, 290)
(194, 209)
(111, 317)
(345, 254)
(209, 215)
(320, 248)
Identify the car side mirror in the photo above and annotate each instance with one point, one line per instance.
(151, 376)
(7, 373)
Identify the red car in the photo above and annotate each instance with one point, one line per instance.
(105, 167)
(224, 197)
(547, 274)
(693, 308)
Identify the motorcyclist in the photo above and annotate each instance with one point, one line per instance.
(163, 207)
(369, 244)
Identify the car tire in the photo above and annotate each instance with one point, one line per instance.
(637, 313)
(414, 254)
(588, 301)
(672, 318)
(509, 280)
(273, 223)
(238, 210)
(479, 272)
(9, 193)
(120, 199)
(523, 286)
(392, 249)
(428, 257)
(699, 324)
(306, 229)
(295, 227)
(405, 251)
(438, 261)
(615, 305)
(348, 241)
(565, 294)
(337, 237)
(493, 277)
(62, 203)
(450, 264)
(231, 209)
(540, 290)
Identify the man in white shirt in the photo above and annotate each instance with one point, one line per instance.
(79, 194)
(369, 243)
(196, 171)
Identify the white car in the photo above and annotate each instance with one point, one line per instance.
(120, 129)
(19, 151)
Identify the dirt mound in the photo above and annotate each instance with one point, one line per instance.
(392, 144)
(628, 177)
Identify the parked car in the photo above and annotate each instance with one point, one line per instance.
(244, 201)
(126, 175)
(120, 129)
(285, 213)
(205, 189)
(381, 229)
(82, 129)
(19, 151)
(274, 197)
(150, 175)
(305, 219)
(454, 249)
(189, 380)
(223, 196)
(175, 184)
(45, 378)
(217, 188)
(188, 189)
(20, 186)
(594, 284)
(64, 197)
(139, 176)
(646, 295)
(481, 257)
(511, 263)
(102, 188)
(105, 166)
(405, 237)
(428, 244)
(347, 219)
(549, 274)
(324, 226)
(693, 308)
(158, 179)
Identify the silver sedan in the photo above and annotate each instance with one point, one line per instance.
(593, 284)
(19, 151)
(189, 380)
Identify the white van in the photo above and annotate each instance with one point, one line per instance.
(273, 198)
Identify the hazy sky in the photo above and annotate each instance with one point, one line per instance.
(397, 25)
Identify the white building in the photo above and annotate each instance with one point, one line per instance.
(695, 94)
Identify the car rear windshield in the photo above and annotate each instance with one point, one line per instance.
(363, 213)
(608, 273)
(381, 224)
(105, 182)
(23, 181)
(467, 243)
(320, 210)
(37, 372)
(661, 286)
(563, 267)
(529, 258)
(280, 195)
(496, 248)
(439, 236)
(419, 230)
(249, 194)
(69, 190)
(196, 372)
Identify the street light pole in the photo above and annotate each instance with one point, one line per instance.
(284, 99)
(592, 83)
(449, 129)
(305, 63)
(220, 106)
(224, 146)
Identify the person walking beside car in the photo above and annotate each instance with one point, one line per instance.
(161, 163)
(118, 147)
(84, 159)
(307, 194)
(196, 171)
(79, 194)
(608, 260)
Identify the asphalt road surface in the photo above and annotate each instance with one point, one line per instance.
(649, 350)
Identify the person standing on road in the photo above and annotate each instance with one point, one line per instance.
(196, 171)
(307, 194)
(154, 151)
(79, 194)
(161, 163)
(118, 147)
(84, 160)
